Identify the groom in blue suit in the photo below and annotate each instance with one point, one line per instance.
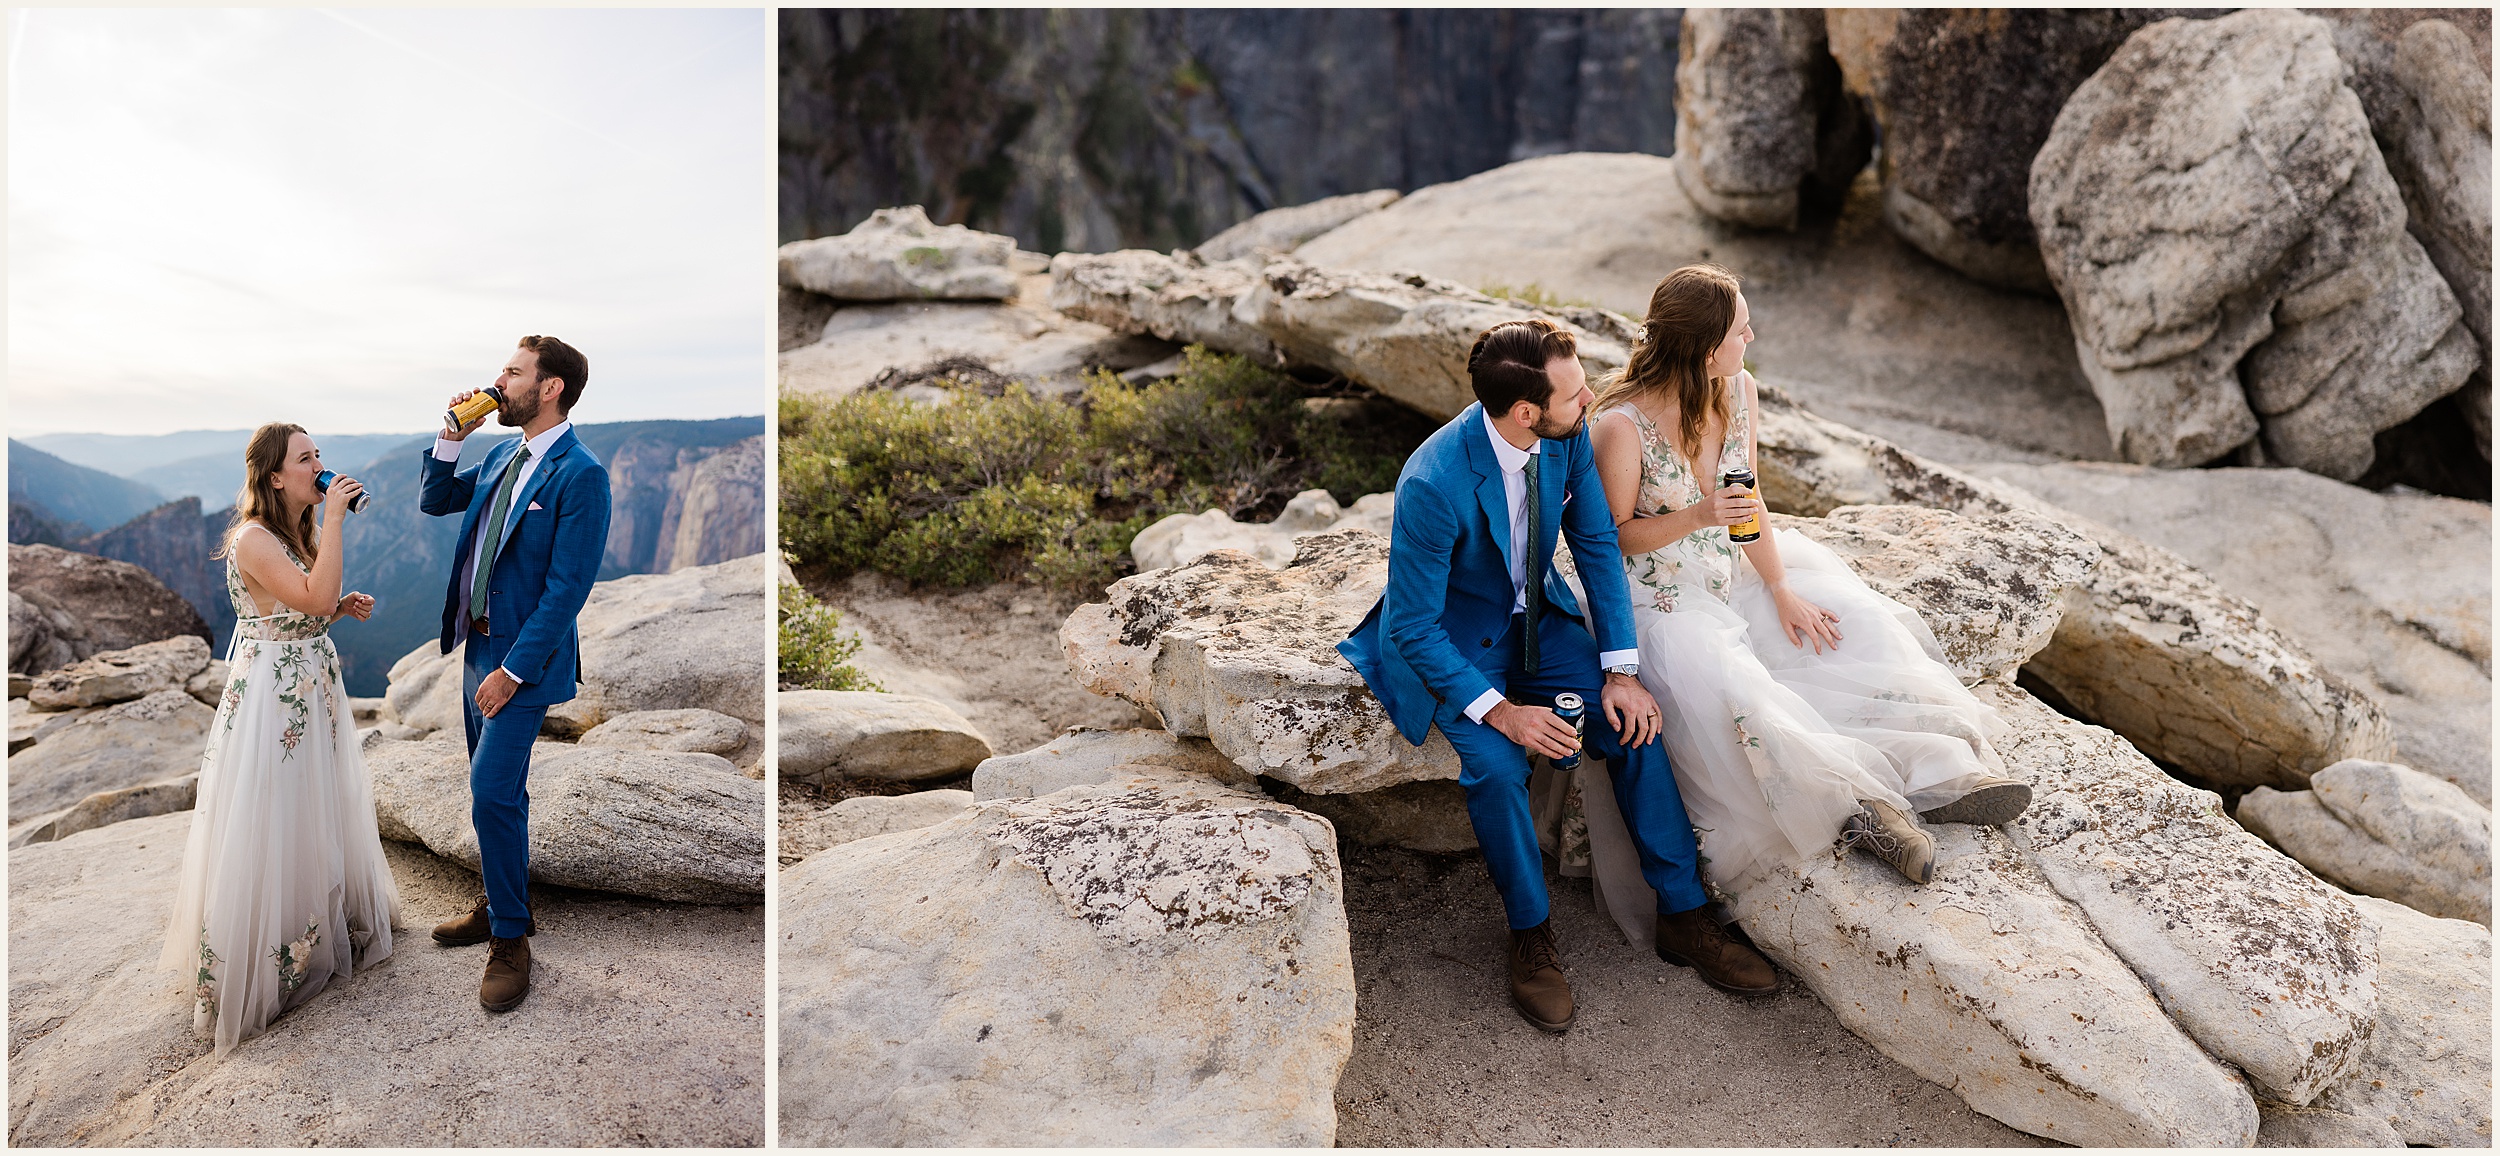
(1476, 634)
(534, 527)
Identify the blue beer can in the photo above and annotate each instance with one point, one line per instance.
(1571, 709)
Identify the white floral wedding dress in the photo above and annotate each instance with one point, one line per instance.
(1774, 745)
(284, 887)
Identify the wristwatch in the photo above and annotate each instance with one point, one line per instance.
(1628, 670)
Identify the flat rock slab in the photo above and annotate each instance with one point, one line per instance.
(2265, 965)
(1022, 339)
(1179, 538)
(665, 824)
(125, 745)
(1085, 757)
(1860, 323)
(122, 675)
(873, 735)
(1216, 1000)
(1990, 983)
(684, 729)
(2427, 1072)
(867, 816)
(644, 1024)
(107, 807)
(2384, 830)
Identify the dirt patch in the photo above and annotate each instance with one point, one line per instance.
(1656, 1057)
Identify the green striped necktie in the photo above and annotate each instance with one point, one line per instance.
(492, 541)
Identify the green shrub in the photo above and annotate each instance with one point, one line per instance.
(1047, 490)
(815, 654)
(1533, 294)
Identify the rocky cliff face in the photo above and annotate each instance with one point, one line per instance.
(65, 605)
(1090, 131)
(679, 506)
(173, 542)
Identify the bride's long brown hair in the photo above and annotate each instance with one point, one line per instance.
(1689, 315)
(263, 457)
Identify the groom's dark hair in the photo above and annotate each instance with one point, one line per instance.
(556, 359)
(1507, 365)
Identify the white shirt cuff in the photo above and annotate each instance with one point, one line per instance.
(1484, 702)
(507, 671)
(1619, 658)
(445, 449)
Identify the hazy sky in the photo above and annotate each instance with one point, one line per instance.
(221, 218)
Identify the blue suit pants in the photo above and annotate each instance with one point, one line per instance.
(1494, 772)
(499, 797)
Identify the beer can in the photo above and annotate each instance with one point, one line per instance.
(355, 505)
(1750, 529)
(1572, 709)
(485, 402)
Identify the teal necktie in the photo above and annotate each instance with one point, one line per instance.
(1535, 569)
(491, 542)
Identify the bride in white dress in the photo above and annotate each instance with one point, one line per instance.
(1800, 706)
(283, 885)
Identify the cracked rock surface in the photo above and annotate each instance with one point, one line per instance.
(1188, 977)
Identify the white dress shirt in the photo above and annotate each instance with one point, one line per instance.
(1514, 463)
(448, 450)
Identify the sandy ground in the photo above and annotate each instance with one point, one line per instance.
(1657, 1057)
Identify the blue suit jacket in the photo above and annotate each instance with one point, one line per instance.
(553, 542)
(1449, 593)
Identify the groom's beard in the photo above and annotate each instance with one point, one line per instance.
(1552, 432)
(513, 415)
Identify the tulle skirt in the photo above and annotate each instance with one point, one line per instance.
(284, 887)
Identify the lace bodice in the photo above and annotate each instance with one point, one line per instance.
(286, 624)
(1704, 561)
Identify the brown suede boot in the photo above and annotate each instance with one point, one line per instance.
(507, 974)
(465, 930)
(1537, 985)
(1693, 939)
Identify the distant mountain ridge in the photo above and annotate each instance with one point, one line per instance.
(684, 493)
(66, 492)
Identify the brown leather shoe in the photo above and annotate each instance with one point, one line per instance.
(507, 974)
(1537, 986)
(1693, 939)
(465, 930)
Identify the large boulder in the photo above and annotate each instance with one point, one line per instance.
(667, 824)
(2149, 646)
(898, 254)
(2270, 969)
(2215, 213)
(867, 816)
(1281, 230)
(685, 729)
(41, 637)
(864, 734)
(2385, 830)
(858, 345)
(1228, 650)
(1956, 185)
(1989, 982)
(1187, 976)
(2427, 1072)
(103, 1054)
(692, 638)
(1761, 121)
(1085, 757)
(650, 642)
(122, 675)
(115, 605)
(146, 740)
(2311, 555)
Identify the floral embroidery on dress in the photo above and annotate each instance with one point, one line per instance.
(1571, 839)
(1704, 561)
(204, 984)
(293, 957)
(288, 668)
